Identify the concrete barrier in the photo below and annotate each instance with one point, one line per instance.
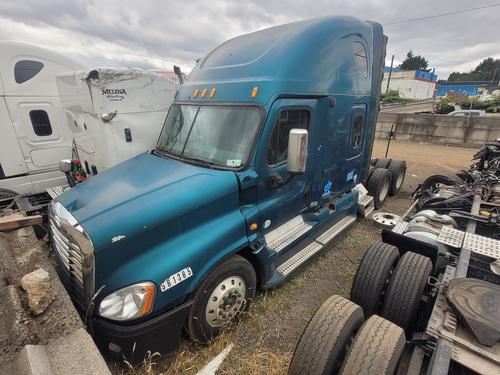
(49, 342)
(439, 129)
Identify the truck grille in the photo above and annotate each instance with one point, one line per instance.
(69, 260)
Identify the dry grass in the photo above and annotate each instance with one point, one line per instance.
(248, 357)
(190, 358)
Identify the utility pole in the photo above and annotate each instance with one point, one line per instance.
(390, 73)
(493, 78)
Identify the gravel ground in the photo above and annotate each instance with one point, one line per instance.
(264, 341)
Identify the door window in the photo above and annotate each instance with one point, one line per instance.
(278, 146)
(24, 70)
(40, 122)
(357, 127)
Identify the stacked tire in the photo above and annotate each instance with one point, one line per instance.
(390, 285)
(385, 178)
(366, 335)
(337, 340)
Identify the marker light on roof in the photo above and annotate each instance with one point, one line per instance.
(212, 92)
(195, 93)
(203, 93)
(255, 91)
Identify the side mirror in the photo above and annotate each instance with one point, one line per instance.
(297, 151)
(65, 165)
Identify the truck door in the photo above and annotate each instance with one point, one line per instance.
(279, 200)
(11, 158)
(42, 131)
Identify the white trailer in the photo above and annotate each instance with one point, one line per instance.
(34, 132)
(115, 113)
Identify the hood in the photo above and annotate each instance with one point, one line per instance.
(141, 193)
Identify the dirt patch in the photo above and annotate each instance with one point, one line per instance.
(264, 341)
(425, 159)
(21, 254)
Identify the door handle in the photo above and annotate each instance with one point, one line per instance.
(275, 180)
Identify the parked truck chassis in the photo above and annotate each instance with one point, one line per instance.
(446, 299)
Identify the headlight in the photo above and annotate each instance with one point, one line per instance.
(131, 302)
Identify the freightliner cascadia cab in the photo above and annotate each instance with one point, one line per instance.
(252, 175)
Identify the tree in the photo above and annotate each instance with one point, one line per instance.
(485, 71)
(413, 62)
(488, 65)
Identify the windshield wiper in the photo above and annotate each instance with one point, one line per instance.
(200, 162)
(162, 153)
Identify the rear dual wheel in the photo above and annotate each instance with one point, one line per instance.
(378, 186)
(385, 178)
(397, 170)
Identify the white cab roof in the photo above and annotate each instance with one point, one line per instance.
(42, 83)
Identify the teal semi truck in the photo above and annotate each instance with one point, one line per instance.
(253, 174)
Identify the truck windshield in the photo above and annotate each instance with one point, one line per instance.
(213, 135)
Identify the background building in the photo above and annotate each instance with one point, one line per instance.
(411, 84)
(467, 88)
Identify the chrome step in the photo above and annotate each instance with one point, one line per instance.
(366, 204)
(287, 233)
(319, 243)
(55, 191)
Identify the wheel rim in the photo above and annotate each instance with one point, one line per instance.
(226, 301)
(399, 180)
(383, 192)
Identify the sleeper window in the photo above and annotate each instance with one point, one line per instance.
(278, 146)
(357, 127)
(24, 70)
(360, 57)
(41, 123)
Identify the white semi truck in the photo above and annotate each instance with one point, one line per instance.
(33, 125)
(54, 108)
(115, 114)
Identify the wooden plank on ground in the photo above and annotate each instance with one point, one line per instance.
(18, 220)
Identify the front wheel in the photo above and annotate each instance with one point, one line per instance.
(223, 295)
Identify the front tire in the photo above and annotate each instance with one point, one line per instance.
(225, 293)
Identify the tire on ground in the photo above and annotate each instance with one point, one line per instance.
(376, 349)
(373, 275)
(6, 193)
(322, 346)
(197, 325)
(378, 186)
(405, 289)
(383, 163)
(397, 169)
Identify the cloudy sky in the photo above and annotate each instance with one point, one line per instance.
(158, 34)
